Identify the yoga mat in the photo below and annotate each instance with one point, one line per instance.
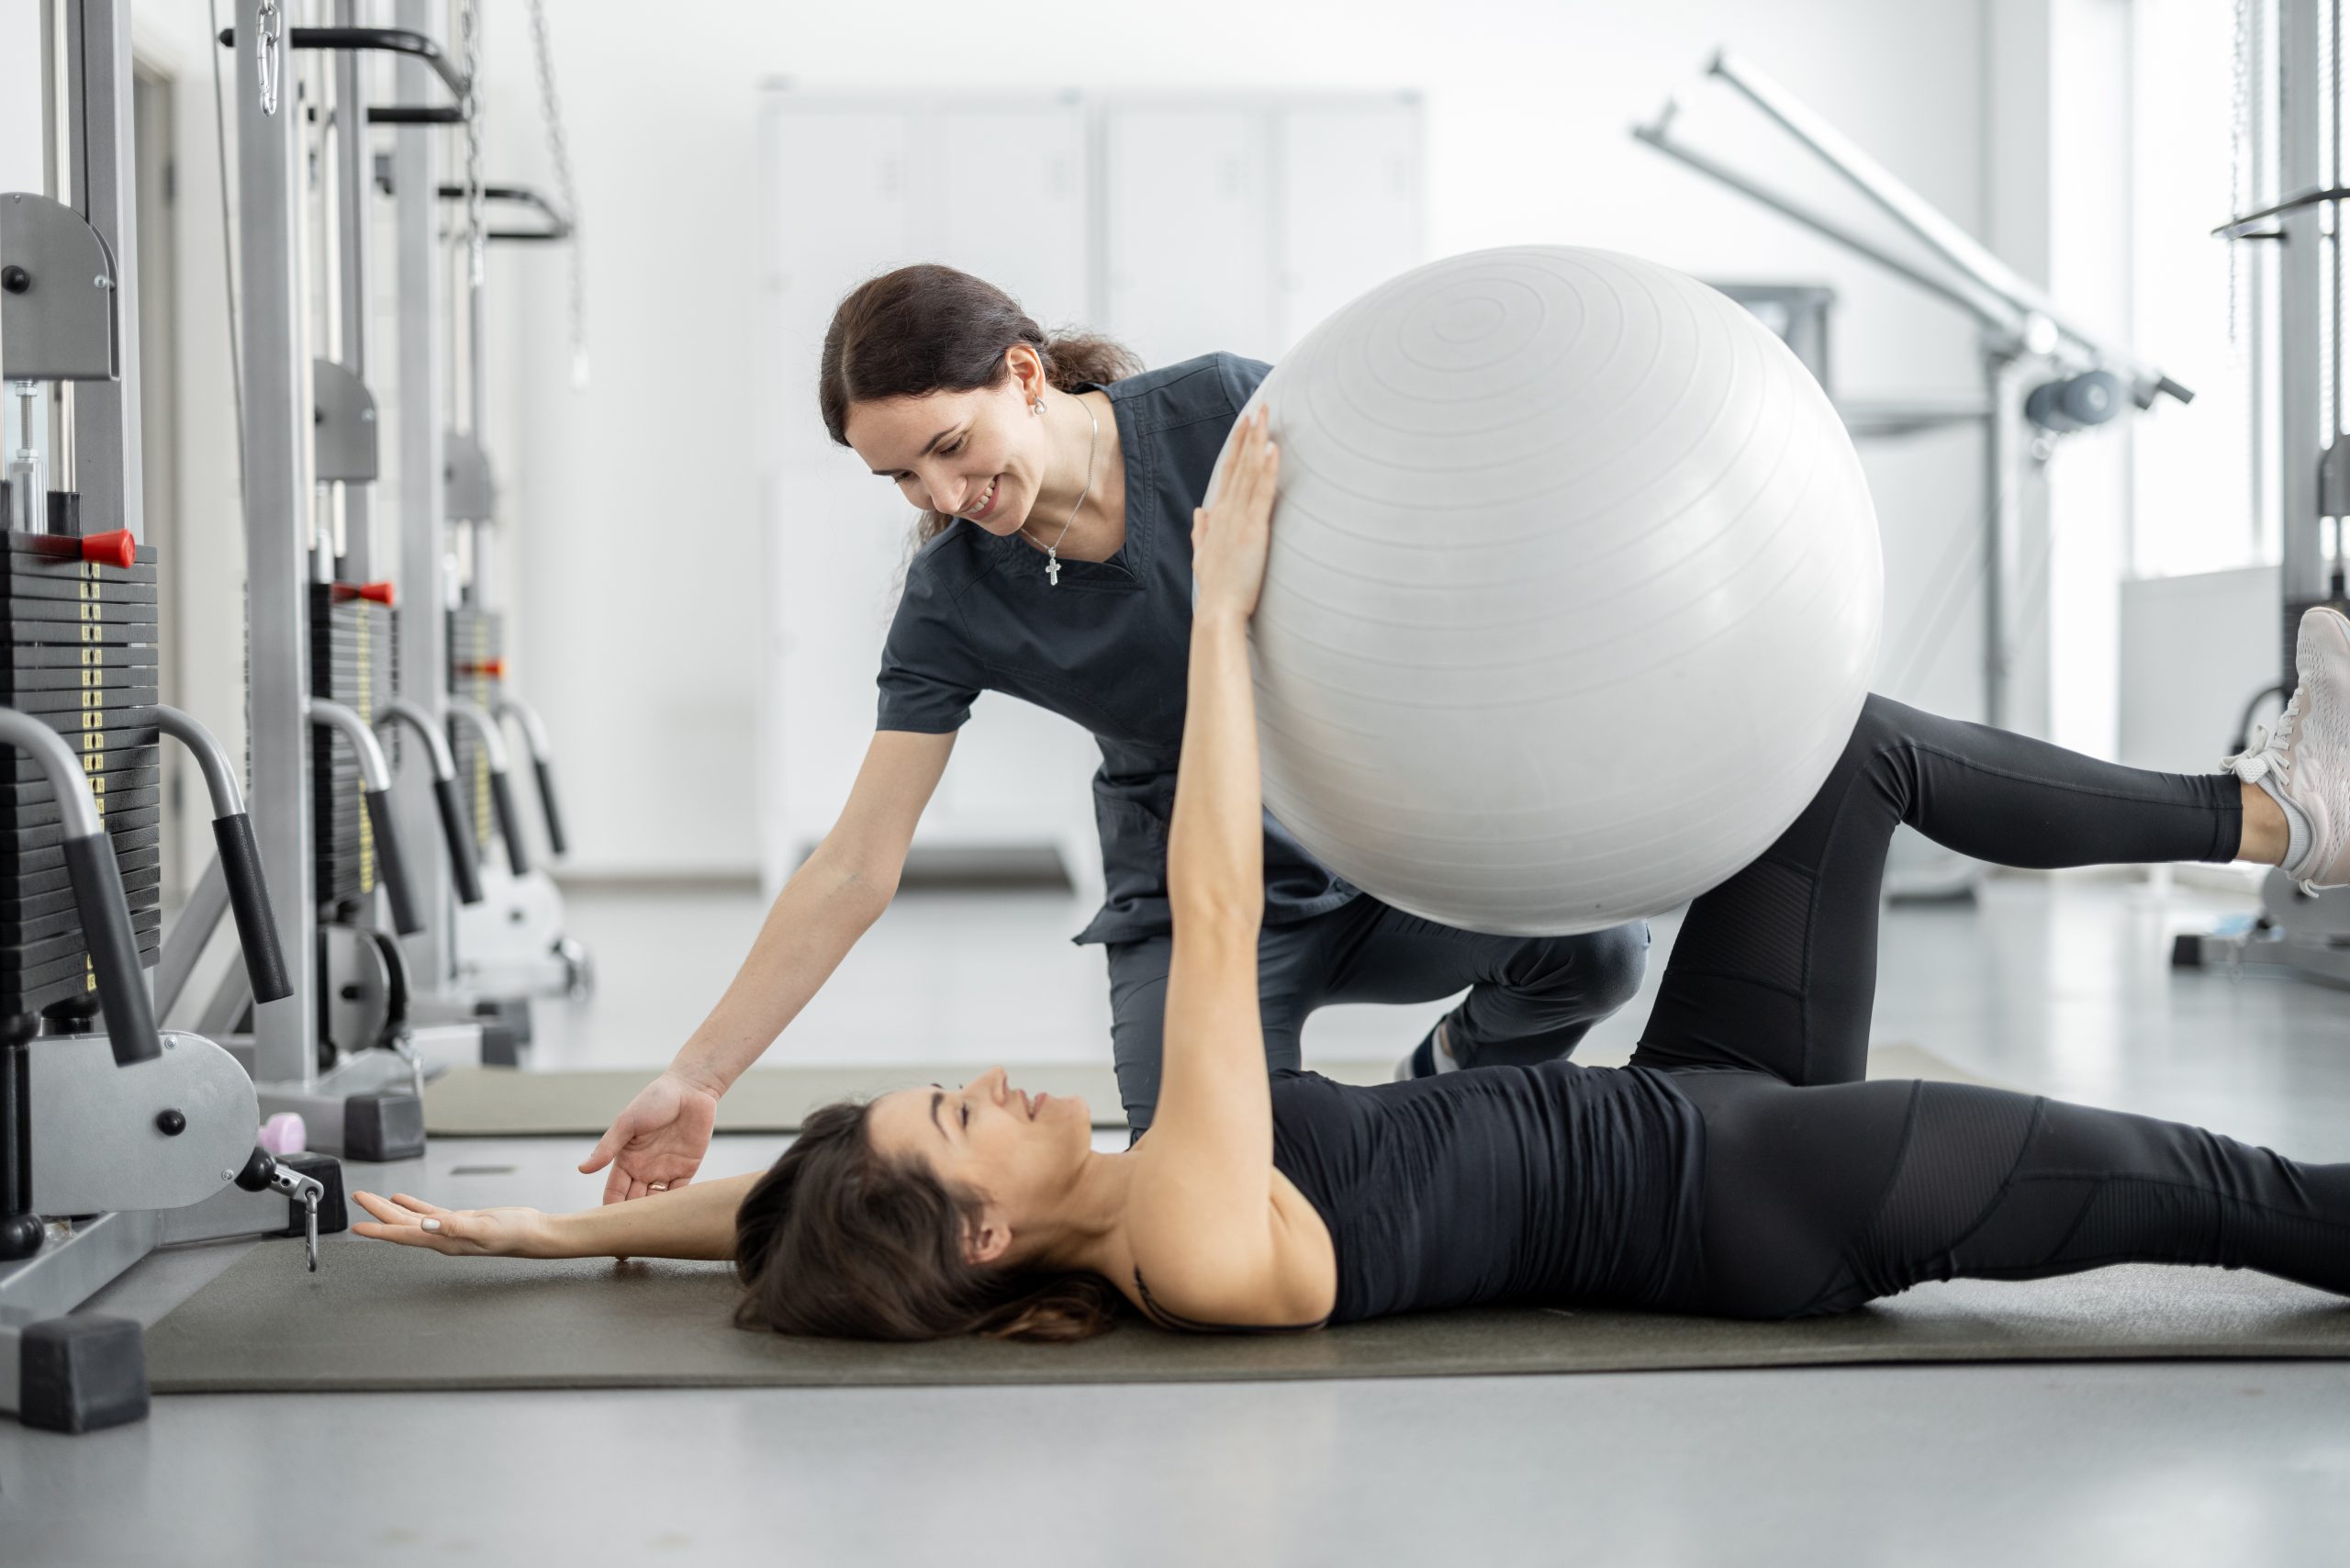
(382, 1317)
(497, 1101)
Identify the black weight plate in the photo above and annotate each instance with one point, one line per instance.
(72, 724)
(44, 550)
(16, 609)
(66, 922)
(101, 757)
(134, 847)
(17, 866)
(21, 682)
(84, 699)
(60, 623)
(18, 957)
(28, 830)
(72, 971)
(49, 893)
(51, 655)
(20, 586)
(139, 774)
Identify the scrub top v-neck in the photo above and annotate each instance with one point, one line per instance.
(1108, 648)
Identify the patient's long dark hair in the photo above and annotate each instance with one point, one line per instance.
(837, 1240)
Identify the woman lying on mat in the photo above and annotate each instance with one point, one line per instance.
(1739, 1166)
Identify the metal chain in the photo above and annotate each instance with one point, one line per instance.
(469, 31)
(551, 112)
(2239, 110)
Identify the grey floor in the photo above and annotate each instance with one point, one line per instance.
(2060, 986)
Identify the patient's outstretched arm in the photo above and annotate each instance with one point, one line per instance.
(697, 1221)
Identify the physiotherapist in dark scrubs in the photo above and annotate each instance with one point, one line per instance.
(1057, 482)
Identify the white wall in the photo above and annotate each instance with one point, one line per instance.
(2059, 212)
(637, 501)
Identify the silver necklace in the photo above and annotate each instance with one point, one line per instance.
(1053, 550)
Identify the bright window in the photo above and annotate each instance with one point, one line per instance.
(2199, 302)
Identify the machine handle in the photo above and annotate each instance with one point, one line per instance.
(556, 843)
(510, 821)
(464, 857)
(114, 948)
(391, 864)
(390, 40)
(248, 902)
(98, 898)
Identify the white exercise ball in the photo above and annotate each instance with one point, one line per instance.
(1574, 590)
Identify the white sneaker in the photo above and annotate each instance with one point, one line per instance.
(1423, 1060)
(2306, 754)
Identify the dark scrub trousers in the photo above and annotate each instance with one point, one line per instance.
(1109, 649)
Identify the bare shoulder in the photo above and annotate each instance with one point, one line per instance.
(1279, 1269)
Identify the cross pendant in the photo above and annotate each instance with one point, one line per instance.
(1053, 568)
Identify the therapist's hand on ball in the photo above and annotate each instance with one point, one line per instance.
(461, 1233)
(1231, 537)
(658, 1140)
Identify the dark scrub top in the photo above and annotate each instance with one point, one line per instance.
(1110, 647)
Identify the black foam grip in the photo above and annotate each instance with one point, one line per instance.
(248, 902)
(510, 821)
(456, 826)
(113, 950)
(556, 843)
(391, 865)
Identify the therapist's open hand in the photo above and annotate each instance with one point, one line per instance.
(1231, 538)
(657, 1141)
(461, 1233)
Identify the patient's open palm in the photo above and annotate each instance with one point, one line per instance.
(510, 1232)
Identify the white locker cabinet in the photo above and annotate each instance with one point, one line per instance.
(1179, 226)
(1238, 225)
(1348, 212)
(835, 212)
(1187, 230)
(853, 187)
(857, 186)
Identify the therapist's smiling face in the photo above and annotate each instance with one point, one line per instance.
(979, 456)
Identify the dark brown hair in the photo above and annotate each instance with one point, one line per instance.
(836, 1240)
(929, 329)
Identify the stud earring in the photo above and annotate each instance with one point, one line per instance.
(1037, 404)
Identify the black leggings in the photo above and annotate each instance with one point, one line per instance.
(1821, 1191)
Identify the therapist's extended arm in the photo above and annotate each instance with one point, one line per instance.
(660, 1136)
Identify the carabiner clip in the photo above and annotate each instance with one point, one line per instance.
(268, 55)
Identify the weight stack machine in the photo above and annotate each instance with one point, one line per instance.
(81, 657)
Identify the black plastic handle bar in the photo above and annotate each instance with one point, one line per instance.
(2247, 227)
(98, 898)
(456, 823)
(376, 789)
(542, 749)
(510, 821)
(414, 114)
(232, 830)
(501, 792)
(390, 40)
(558, 225)
(249, 903)
(556, 842)
(457, 828)
(391, 864)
